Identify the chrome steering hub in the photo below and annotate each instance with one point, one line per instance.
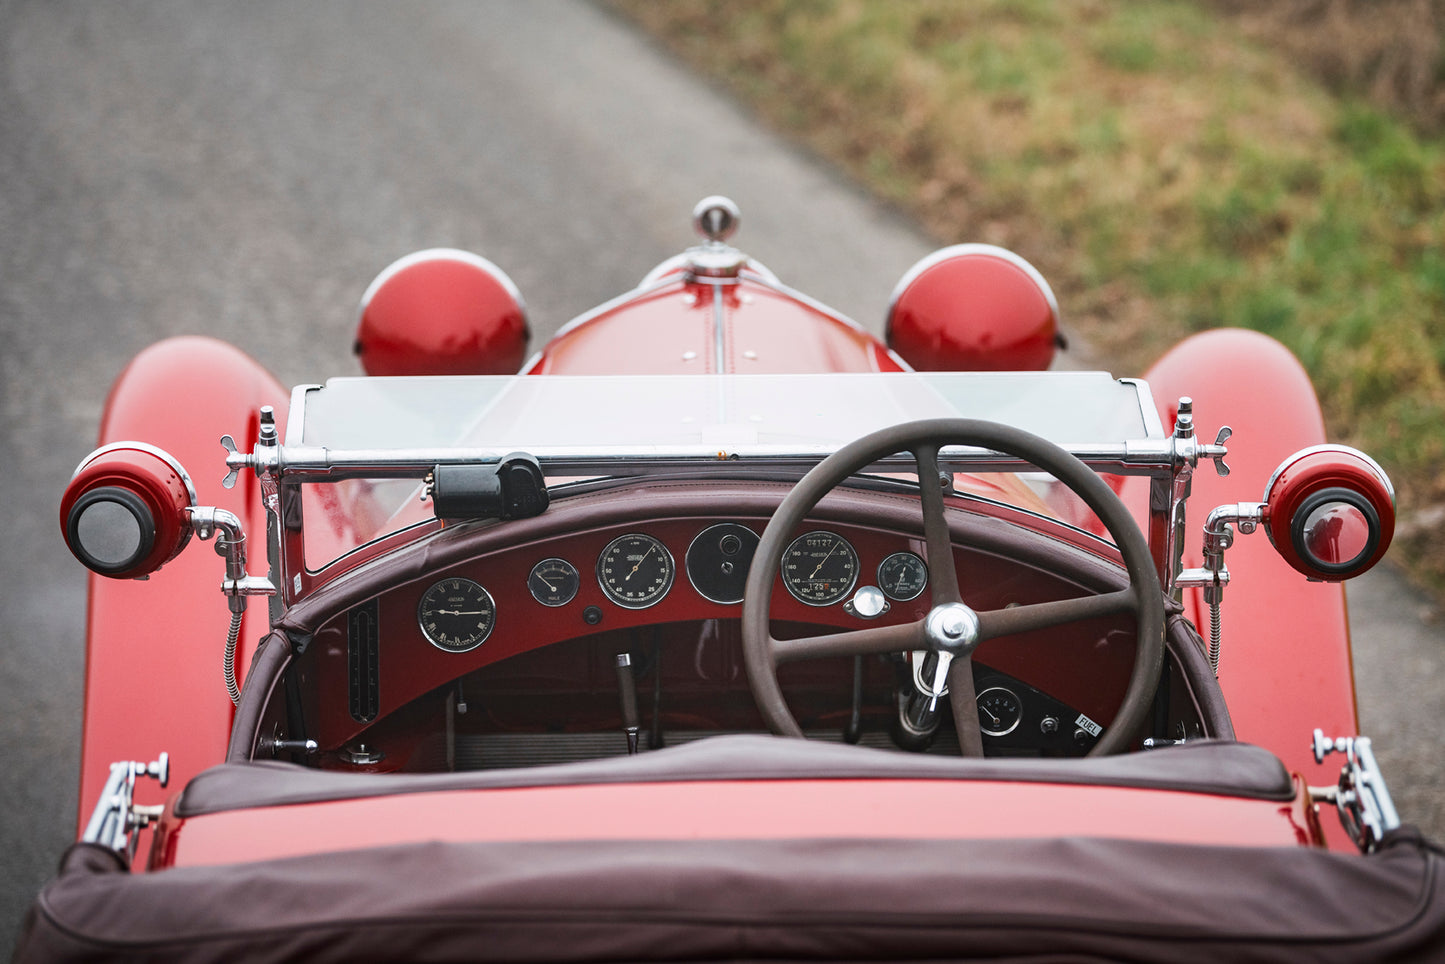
(952, 628)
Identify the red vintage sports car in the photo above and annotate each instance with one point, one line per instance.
(725, 631)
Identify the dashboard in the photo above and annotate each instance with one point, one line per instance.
(517, 629)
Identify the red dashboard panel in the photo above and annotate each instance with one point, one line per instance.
(1085, 665)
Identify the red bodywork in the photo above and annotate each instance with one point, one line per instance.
(150, 685)
(154, 681)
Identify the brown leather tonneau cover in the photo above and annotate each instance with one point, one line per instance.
(1045, 899)
(1221, 768)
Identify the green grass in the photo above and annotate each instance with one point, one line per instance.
(1166, 173)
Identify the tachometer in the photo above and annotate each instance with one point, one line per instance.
(635, 570)
(820, 568)
(456, 615)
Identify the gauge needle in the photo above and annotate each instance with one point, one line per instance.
(461, 612)
(996, 720)
(543, 579)
(823, 560)
(639, 563)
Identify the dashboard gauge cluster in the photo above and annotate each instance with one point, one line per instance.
(1017, 719)
(635, 570)
(456, 615)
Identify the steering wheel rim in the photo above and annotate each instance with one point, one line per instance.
(947, 627)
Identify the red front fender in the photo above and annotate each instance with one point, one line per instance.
(1285, 663)
(153, 649)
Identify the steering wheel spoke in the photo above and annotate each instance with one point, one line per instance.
(963, 701)
(1046, 615)
(951, 626)
(856, 642)
(935, 527)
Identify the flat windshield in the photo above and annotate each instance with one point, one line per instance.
(368, 440)
(702, 415)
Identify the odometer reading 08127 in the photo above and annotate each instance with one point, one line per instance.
(820, 568)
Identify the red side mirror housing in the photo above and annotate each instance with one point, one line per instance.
(442, 312)
(1330, 512)
(124, 513)
(973, 307)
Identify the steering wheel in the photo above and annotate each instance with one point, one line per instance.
(951, 629)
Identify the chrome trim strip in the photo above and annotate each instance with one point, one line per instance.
(431, 254)
(1331, 447)
(296, 414)
(146, 447)
(1145, 457)
(774, 284)
(1148, 410)
(622, 299)
(719, 331)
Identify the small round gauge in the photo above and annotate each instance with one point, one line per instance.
(554, 582)
(999, 711)
(902, 576)
(635, 570)
(820, 568)
(456, 615)
(718, 559)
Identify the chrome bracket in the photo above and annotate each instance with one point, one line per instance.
(1213, 576)
(1171, 496)
(116, 815)
(1361, 796)
(208, 521)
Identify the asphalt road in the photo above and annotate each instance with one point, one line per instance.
(243, 170)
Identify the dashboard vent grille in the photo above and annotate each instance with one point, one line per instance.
(363, 639)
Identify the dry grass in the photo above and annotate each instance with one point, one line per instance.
(1389, 51)
(1164, 167)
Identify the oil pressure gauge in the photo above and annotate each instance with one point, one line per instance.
(554, 582)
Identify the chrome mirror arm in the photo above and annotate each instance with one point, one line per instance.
(1213, 576)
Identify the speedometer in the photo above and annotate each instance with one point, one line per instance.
(820, 568)
(635, 570)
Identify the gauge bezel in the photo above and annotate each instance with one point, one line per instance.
(655, 596)
(748, 547)
(1017, 719)
(903, 554)
(473, 643)
(575, 578)
(841, 594)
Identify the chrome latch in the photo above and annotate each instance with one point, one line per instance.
(116, 815)
(1361, 797)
